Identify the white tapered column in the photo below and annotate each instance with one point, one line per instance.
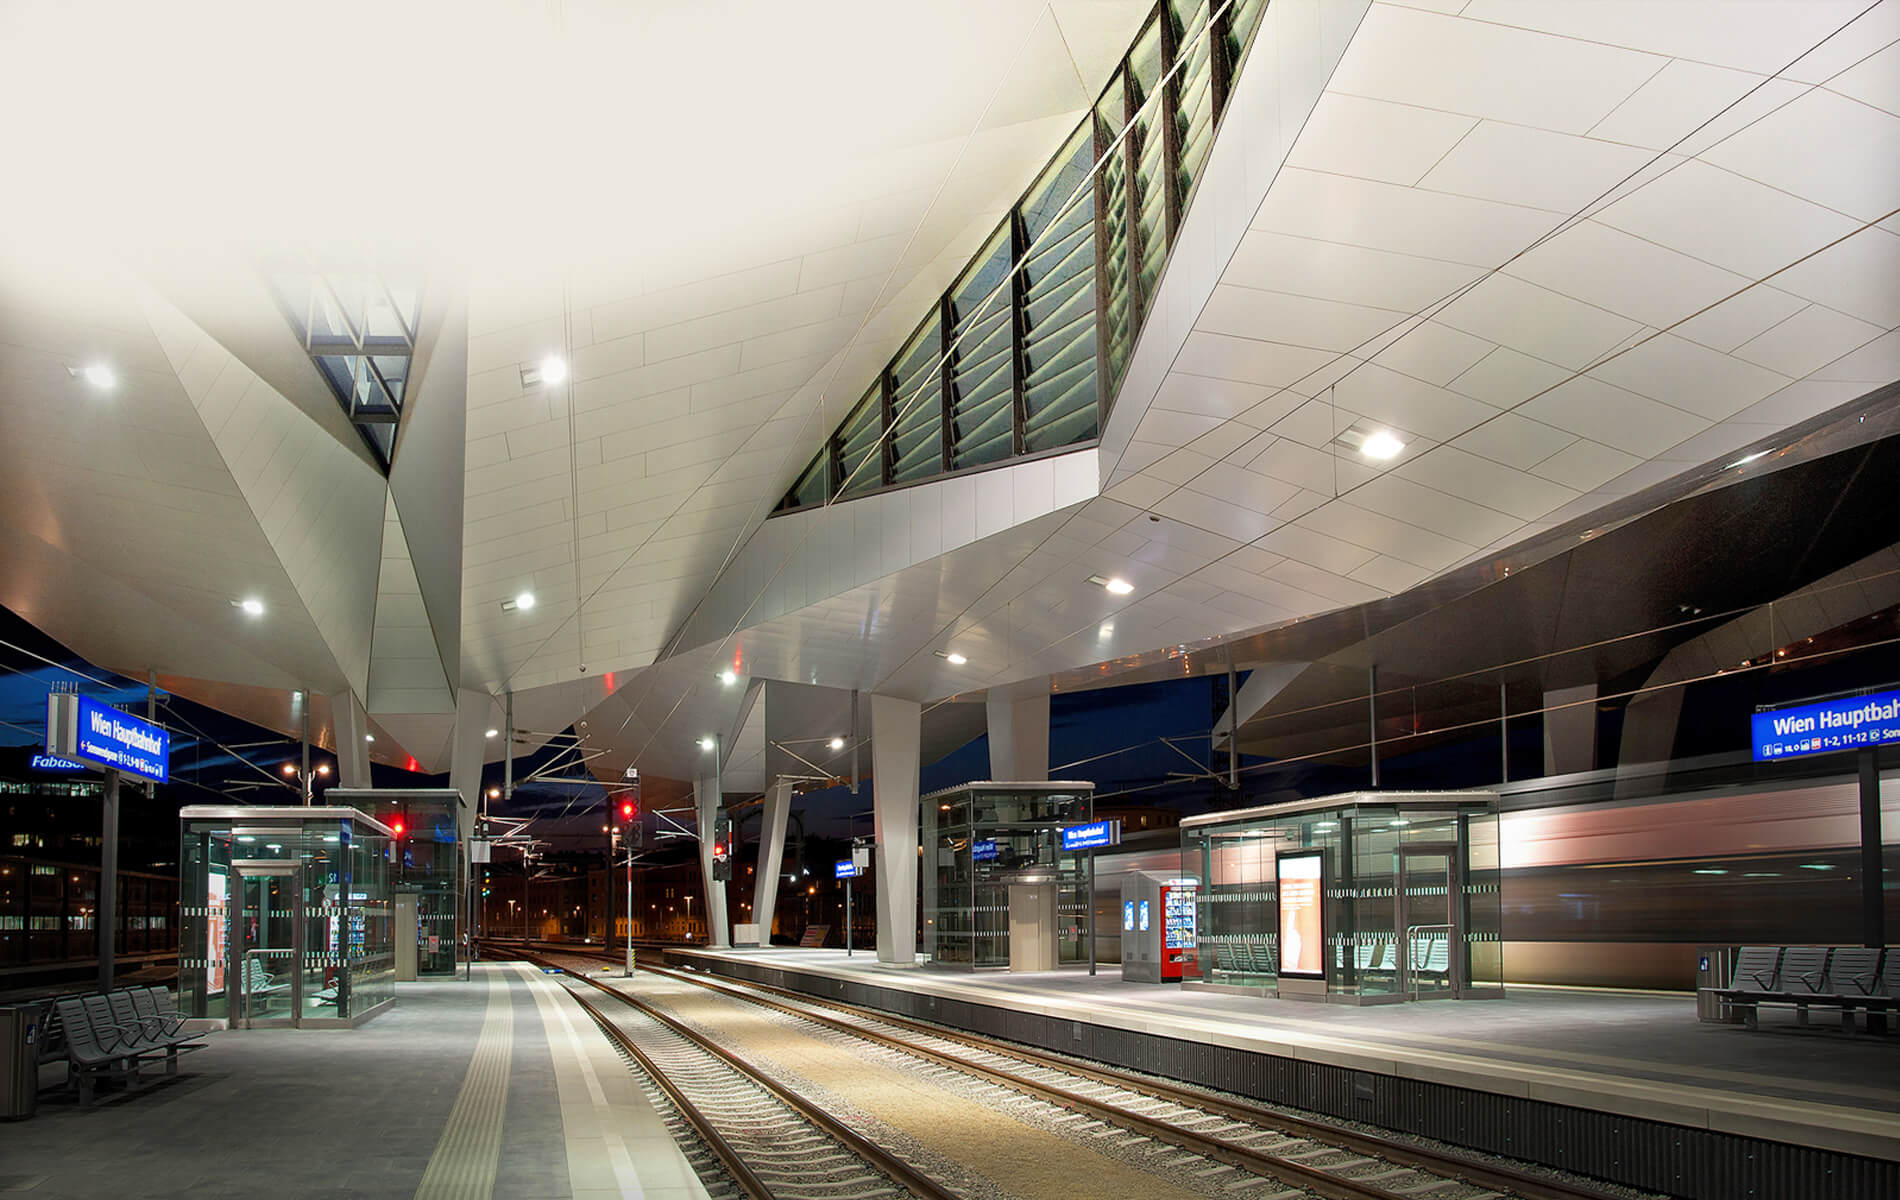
(895, 729)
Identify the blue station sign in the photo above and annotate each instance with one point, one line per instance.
(1092, 836)
(847, 869)
(101, 735)
(53, 762)
(984, 850)
(1848, 723)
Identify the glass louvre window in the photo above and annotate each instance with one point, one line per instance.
(1117, 331)
(1058, 300)
(860, 446)
(810, 488)
(1194, 87)
(1148, 142)
(1243, 18)
(917, 407)
(359, 332)
(1067, 321)
(982, 396)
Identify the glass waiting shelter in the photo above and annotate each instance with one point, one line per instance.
(428, 892)
(284, 916)
(992, 860)
(1361, 898)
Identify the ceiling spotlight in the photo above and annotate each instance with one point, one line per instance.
(252, 606)
(705, 743)
(955, 659)
(323, 768)
(553, 369)
(1107, 630)
(290, 768)
(728, 677)
(524, 601)
(1119, 586)
(492, 733)
(369, 737)
(836, 743)
(494, 793)
(99, 375)
(1382, 445)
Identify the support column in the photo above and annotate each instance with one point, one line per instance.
(350, 724)
(1873, 919)
(1570, 730)
(1019, 738)
(896, 727)
(466, 751)
(778, 806)
(707, 797)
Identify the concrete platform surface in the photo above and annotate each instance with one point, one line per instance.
(496, 1086)
(1632, 1054)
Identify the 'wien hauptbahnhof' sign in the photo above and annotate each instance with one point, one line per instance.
(99, 734)
(1849, 723)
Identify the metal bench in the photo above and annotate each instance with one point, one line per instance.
(1803, 977)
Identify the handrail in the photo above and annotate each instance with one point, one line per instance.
(1411, 954)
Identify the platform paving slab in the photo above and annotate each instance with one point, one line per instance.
(361, 1114)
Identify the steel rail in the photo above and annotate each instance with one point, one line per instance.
(883, 1160)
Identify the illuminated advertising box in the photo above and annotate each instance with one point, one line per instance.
(1302, 914)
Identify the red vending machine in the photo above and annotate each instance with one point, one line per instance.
(1178, 929)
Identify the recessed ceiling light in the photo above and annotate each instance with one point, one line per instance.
(705, 743)
(1381, 444)
(951, 657)
(836, 743)
(553, 369)
(728, 677)
(1117, 585)
(99, 375)
(369, 737)
(1107, 630)
(524, 601)
(252, 606)
(492, 733)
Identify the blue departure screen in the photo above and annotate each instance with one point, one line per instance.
(1827, 725)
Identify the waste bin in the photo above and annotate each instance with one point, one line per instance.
(1715, 967)
(19, 1061)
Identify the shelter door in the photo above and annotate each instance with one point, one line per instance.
(262, 973)
(1432, 936)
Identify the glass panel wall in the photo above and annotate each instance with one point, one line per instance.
(1042, 322)
(1409, 894)
(978, 840)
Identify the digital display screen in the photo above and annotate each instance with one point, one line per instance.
(1128, 915)
(1844, 724)
(1177, 918)
(983, 850)
(1302, 915)
(1144, 916)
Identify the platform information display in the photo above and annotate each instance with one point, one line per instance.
(1302, 915)
(1093, 836)
(96, 733)
(1848, 723)
(984, 850)
(847, 869)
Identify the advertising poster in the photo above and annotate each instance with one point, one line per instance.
(215, 915)
(1302, 925)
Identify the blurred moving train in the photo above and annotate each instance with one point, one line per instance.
(1619, 892)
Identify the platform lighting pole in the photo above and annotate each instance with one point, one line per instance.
(847, 911)
(854, 741)
(106, 913)
(630, 909)
(1372, 711)
(303, 704)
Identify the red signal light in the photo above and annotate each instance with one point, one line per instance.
(398, 828)
(627, 809)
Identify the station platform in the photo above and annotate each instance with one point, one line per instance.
(1482, 1073)
(495, 1086)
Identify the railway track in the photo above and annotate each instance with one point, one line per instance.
(769, 1142)
(1302, 1157)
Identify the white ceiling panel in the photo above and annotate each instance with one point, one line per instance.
(1517, 164)
(1624, 274)
(1537, 321)
(1859, 276)
(1584, 465)
(1687, 376)
(1701, 30)
(1725, 219)
(1399, 220)
(1374, 139)
(1438, 62)
(1591, 408)
(1837, 152)
(1330, 270)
